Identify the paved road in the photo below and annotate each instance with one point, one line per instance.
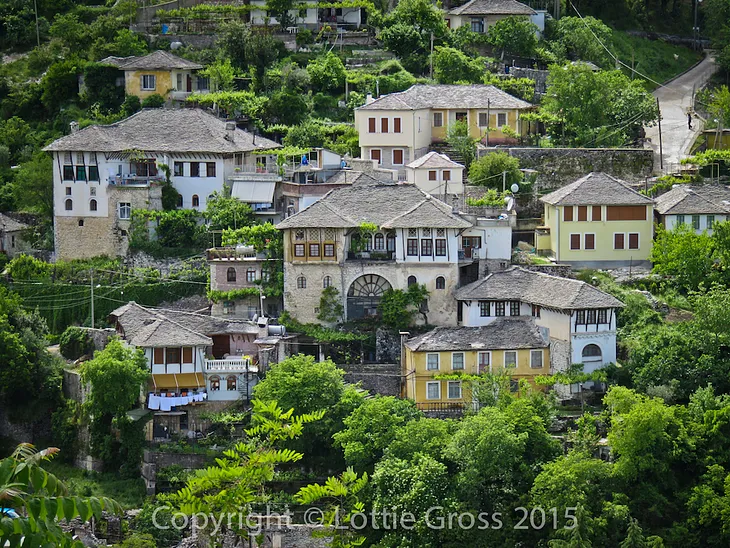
(675, 99)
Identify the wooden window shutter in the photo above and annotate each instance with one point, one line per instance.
(159, 356)
(397, 156)
(626, 213)
(596, 213)
(568, 213)
(575, 241)
(383, 125)
(187, 354)
(582, 213)
(633, 241)
(371, 125)
(618, 241)
(590, 241)
(431, 175)
(396, 125)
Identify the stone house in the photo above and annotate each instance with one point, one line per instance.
(103, 173)
(398, 128)
(436, 174)
(700, 206)
(580, 319)
(11, 236)
(479, 15)
(597, 221)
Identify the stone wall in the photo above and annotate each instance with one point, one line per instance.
(539, 76)
(562, 270)
(383, 379)
(152, 461)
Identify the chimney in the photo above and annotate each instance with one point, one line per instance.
(74, 126)
(369, 98)
(230, 130)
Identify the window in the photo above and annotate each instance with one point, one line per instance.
(69, 205)
(196, 200)
(454, 390)
(326, 282)
(412, 281)
(329, 250)
(398, 156)
(93, 173)
(187, 354)
(591, 352)
(231, 274)
(379, 240)
(484, 308)
(412, 247)
(412, 232)
(210, 169)
(582, 213)
(148, 82)
(589, 241)
(231, 383)
(438, 119)
(301, 282)
(590, 316)
(514, 308)
(383, 125)
(680, 219)
(440, 247)
(535, 311)
(314, 250)
(433, 390)
(179, 81)
(81, 223)
(215, 383)
(568, 213)
(626, 213)
(446, 175)
(68, 173)
(457, 360)
(68, 191)
(172, 355)
(396, 125)
(603, 316)
(536, 359)
(371, 125)
(710, 221)
(250, 275)
(634, 240)
(426, 232)
(477, 25)
(390, 241)
(580, 317)
(375, 154)
(158, 356)
(618, 241)
(92, 205)
(432, 175)
(596, 213)
(575, 241)
(499, 308)
(501, 119)
(92, 191)
(440, 282)
(426, 247)
(483, 361)
(194, 169)
(80, 173)
(179, 200)
(299, 250)
(178, 169)
(510, 358)
(483, 122)
(432, 362)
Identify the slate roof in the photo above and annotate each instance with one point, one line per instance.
(349, 176)
(505, 333)
(519, 284)
(157, 60)
(433, 160)
(387, 204)
(420, 96)
(596, 189)
(694, 200)
(8, 224)
(493, 7)
(116, 61)
(163, 130)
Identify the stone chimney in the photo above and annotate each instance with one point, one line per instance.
(369, 98)
(230, 130)
(74, 126)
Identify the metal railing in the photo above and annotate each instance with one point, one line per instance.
(454, 408)
(230, 364)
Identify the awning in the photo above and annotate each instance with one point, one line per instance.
(254, 192)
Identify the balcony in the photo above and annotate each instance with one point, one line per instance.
(469, 254)
(234, 364)
(453, 409)
(130, 180)
(238, 253)
(371, 255)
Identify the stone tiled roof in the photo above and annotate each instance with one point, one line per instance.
(164, 332)
(421, 96)
(537, 288)
(8, 224)
(157, 60)
(504, 333)
(695, 200)
(117, 61)
(163, 130)
(349, 176)
(493, 7)
(387, 204)
(596, 189)
(434, 160)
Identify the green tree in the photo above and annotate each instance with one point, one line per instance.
(327, 73)
(33, 186)
(397, 308)
(331, 309)
(462, 143)
(153, 101)
(517, 35)
(221, 74)
(60, 83)
(101, 87)
(73, 33)
(226, 212)
(684, 256)
(451, 66)
(580, 39)
(488, 170)
(247, 47)
(425, 436)
(720, 105)
(279, 9)
(635, 538)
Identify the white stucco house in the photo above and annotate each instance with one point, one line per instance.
(436, 174)
(699, 206)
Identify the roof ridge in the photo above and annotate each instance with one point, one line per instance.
(178, 324)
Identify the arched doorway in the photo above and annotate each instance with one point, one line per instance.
(364, 296)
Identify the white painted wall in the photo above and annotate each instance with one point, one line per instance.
(671, 221)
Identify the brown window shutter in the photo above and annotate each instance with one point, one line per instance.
(383, 125)
(575, 241)
(618, 241)
(590, 241)
(371, 125)
(582, 213)
(397, 156)
(396, 125)
(159, 356)
(187, 354)
(568, 213)
(626, 213)
(431, 175)
(596, 213)
(446, 175)
(375, 154)
(633, 241)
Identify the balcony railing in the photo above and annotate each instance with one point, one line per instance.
(135, 180)
(468, 253)
(449, 408)
(371, 255)
(230, 365)
(233, 254)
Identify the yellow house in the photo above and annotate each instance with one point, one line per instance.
(598, 221)
(161, 73)
(397, 128)
(513, 345)
(479, 15)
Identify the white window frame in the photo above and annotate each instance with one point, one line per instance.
(463, 361)
(506, 119)
(505, 359)
(585, 248)
(449, 384)
(438, 361)
(124, 206)
(145, 87)
(479, 119)
(433, 119)
(430, 383)
(489, 359)
(542, 358)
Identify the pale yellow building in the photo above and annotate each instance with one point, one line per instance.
(479, 15)
(436, 174)
(515, 346)
(598, 221)
(397, 128)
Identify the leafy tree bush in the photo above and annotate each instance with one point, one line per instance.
(579, 39)
(487, 170)
(460, 140)
(75, 342)
(226, 212)
(397, 308)
(515, 35)
(331, 309)
(101, 87)
(153, 101)
(451, 66)
(131, 105)
(26, 267)
(327, 73)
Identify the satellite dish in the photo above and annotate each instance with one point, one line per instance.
(515, 187)
(176, 45)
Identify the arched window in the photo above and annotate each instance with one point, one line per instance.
(301, 282)
(440, 282)
(412, 280)
(179, 200)
(379, 242)
(231, 274)
(69, 204)
(92, 205)
(326, 282)
(231, 382)
(592, 352)
(215, 383)
(196, 200)
(390, 240)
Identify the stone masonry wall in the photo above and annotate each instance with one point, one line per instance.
(383, 379)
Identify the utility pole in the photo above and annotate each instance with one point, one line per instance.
(37, 32)
(486, 137)
(504, 181)
(661, 149)
(430, 72)
(92, 299)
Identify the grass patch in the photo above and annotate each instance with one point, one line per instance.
(654, 58)
(130, 493)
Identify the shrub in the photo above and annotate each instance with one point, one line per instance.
(26, 267)
(486, 170)
(75, 342)
(153, 101)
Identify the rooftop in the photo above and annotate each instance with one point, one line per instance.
(420, 96)
(695, 199)
(8, 224)
(493, 7)
(519, 284)
(181, 130)
(503, 333)
(387, 204)
(351, 176)
(596, 189)
(434, 160)
(157, 60)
